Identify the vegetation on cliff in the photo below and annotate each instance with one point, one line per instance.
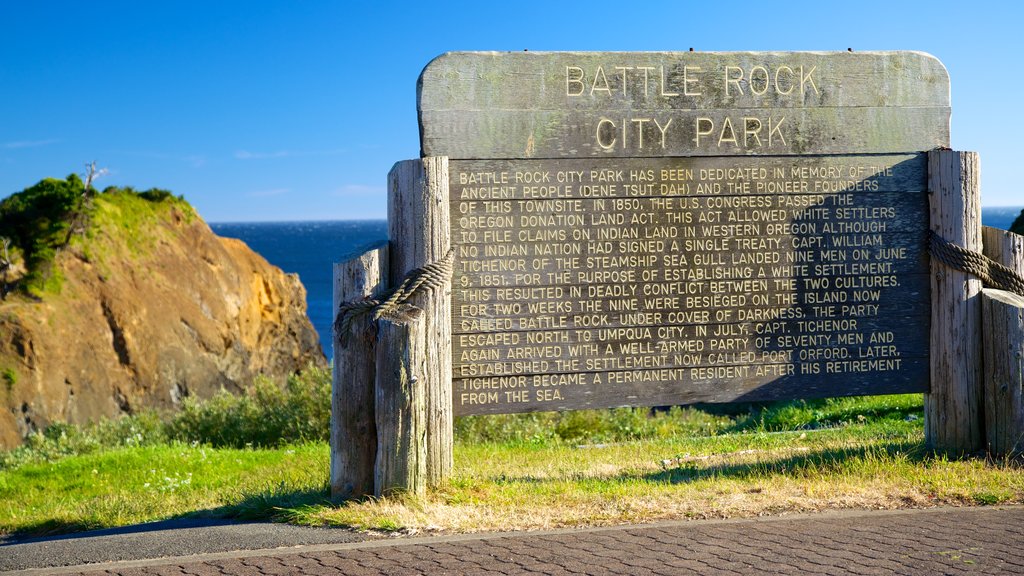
(54, 214)
(116, 302)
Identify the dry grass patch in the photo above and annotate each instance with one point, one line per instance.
(534, 488)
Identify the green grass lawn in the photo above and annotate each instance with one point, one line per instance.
(517, 472)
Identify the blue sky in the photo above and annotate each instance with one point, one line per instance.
(296, 110)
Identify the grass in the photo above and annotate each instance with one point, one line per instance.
(138, 484)
(530, 471)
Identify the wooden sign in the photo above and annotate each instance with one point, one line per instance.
(667, 228)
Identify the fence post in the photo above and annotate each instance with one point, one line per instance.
(401, 404)
(952, 407)
(353, 431)
(419, 228)
(1003, 326)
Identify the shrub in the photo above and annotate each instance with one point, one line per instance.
(588, 426)
(266, 415)
(61, 439)
(39, 221)
(9, 377)
(156, 195)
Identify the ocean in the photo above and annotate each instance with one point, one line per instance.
(310, 250)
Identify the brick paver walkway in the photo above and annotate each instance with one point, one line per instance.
(940, 541)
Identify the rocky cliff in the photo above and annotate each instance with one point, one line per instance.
(143, 307)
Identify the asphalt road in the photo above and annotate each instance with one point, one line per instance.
(172, 538)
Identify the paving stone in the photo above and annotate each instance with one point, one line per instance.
(967, 541)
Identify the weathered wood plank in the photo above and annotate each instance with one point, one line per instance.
(401, 404)
(1003, 321)
(730, 260)
(418, 224)
(353, 431)
(953, 404)
(564, 134)
(696, 345)
(568, 178)
(552, 105)
(672, 386)
(506, 310)
(1004, 247)
(512, 80)
(571, 257)
(1003, 332)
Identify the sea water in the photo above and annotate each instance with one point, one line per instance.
(310, 249)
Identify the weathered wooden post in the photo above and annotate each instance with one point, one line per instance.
(418, 225)
(401, 403)
(953, 404)
(1003, 323)
(353, 430)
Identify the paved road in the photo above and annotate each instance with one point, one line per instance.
(937, 541)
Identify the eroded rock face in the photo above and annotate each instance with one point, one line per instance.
(145, 317)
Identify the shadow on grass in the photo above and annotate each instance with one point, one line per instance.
(768, 462)
(804, 464)
(794, 415)
(275, 504)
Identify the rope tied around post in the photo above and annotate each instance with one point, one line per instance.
(991, 273)
(429, 277)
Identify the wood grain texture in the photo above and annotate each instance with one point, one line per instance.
(1004, 247)
(418, 225)
(1003, 321)
(635, 277)
(508, 179)
(401, 404)
(552, 105)
(353, 430)
(953, 405)
(672, 386)
(1003, 329)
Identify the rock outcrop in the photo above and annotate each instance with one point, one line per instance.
(150, 307)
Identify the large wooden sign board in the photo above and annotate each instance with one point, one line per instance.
(664, 228)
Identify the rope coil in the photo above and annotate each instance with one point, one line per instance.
(991, 273)
(429, 277)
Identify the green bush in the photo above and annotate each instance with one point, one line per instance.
(38, 220)
(156, 195)
(61, 439)
(588, 426)
(828, 412)
(266, 415)
(10, 378)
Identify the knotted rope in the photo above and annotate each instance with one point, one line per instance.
(991, 273)
(428, 277)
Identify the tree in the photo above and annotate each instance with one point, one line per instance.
(79, 220)
(39, 221)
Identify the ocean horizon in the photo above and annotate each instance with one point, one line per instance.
(311, 248)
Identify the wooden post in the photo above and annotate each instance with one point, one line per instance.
(418, 225)
(401, 410)
(1003, 319)
(1003, 329)
(353, 430)
(953, 406)
(1004, 247)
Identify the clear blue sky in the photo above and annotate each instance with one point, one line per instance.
(296, 110)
